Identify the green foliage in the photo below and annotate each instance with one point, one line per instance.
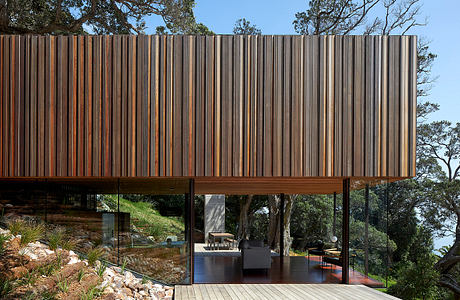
(6, 286)
(31, 233)
(48, 295)
(417, 280)
(55, 239)
(99, 16)
(3, 239)
(101, 269)
(80, 274)
(16, 226)
(311, 219)
(243, 26)
(147, 219)
(416, 275)
(123, 266)
(350, 16)
(63, 284)
(94, 255)
(93, 293)
(28, 278)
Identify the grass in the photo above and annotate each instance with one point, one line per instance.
(58, 238)
(101, 269)
(31, 233)
(63, 284)
(94, 255)
(3, 239)
(6, 286)
(123, 266)
(80, 275)
(92, 293)
(55, 239)
(148, 220)
(16, 226)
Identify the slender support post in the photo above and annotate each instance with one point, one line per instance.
(118, 221)
(366, 230)
(190, 225)
(282, 226)
(346, 231)
(335, 215)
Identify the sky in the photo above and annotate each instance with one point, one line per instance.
(275, 17)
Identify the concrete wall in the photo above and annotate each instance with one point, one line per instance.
(214, 214)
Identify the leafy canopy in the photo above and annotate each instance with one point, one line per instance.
(98, 16)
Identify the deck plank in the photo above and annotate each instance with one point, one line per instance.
(277, 291)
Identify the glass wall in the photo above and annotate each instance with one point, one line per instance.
(144, 232)
(370, 245)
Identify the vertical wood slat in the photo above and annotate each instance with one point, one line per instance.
(207, 106)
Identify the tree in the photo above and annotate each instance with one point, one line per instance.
(439, 150)
(347, 16)
(101, 16)
(243, 26)
(417, 279)
(274, 206)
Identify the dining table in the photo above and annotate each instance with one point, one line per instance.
(219, 235)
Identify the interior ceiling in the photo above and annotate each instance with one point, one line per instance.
(203, 185)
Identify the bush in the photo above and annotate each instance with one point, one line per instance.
(94, 255)
(3, 239)
(31, 233)
(5, 287)
(16, 226)
(55, 239)
(417, 280)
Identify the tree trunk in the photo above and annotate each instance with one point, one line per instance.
(273, 227)
(274, 223)
(448, 261)
(243, 228)
(287, 224)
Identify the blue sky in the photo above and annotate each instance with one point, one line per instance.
(275, 17)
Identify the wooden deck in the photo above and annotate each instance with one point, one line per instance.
(276, 291)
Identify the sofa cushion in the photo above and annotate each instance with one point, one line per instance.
(256, 243)
(244, 244)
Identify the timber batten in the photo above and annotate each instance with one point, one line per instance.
(202, 106)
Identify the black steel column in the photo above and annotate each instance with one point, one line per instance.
(282, 226)
(335, 215)
(190, 225)
(346, 231)
(366, 230)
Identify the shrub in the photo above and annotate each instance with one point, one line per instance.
(55, 239)
(31, 233)
(92, 293)
(3, 239)
(101, 269)
(63, 284)
(5, 287)
(81, 274)
(94, 255)
(16, 226)
(68, 244)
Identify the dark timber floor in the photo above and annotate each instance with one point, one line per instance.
(295, 269)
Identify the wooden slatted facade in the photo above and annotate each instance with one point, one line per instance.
(207, 106)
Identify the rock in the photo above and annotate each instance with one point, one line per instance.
(110, 296)
(48, 251)
(127, 292)
(73, 260)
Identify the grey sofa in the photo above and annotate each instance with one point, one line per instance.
(254, 255)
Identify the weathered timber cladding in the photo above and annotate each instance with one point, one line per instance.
(267, 106)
